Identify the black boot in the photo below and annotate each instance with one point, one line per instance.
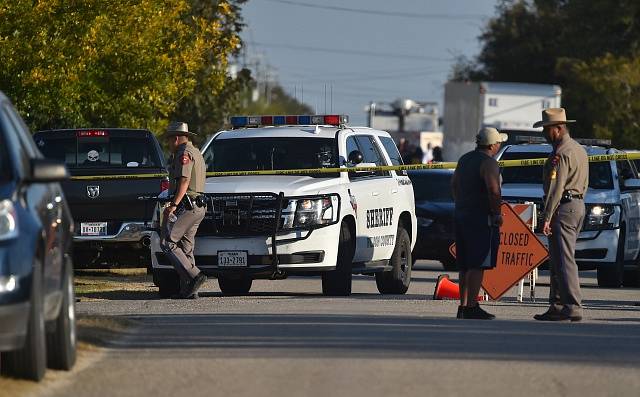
(476, 313)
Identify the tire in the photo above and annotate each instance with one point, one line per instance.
(168, 283)
(29, 362)
(610, 275)
(338, 282)
(235, 286)
(397, 280)
(61, 341)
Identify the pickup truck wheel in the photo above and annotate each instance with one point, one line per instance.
(338, 282)
(610, 275)
(29, 362)
(168, 283)
(398, 279)
(631, 278)
(235, 286)
(61, 340)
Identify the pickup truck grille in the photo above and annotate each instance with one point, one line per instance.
(231, 215)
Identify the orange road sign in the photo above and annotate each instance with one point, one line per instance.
(520, 252)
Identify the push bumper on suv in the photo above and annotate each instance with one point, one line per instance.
(300, 251)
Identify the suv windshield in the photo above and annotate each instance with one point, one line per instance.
(100, 151)
(252, 154)
(431, 186)
(599, 173)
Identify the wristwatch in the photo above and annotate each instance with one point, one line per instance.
(172, 204)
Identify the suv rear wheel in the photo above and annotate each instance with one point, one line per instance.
(398, 279)
(235, 286)
(338, 282)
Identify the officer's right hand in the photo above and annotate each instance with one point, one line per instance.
(546, 230)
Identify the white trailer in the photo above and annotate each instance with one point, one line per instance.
(509, 107)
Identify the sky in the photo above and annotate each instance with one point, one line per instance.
(358, 51)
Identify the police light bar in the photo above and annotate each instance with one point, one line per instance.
(259, 121)
(594, 142)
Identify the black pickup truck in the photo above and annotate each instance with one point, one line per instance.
(114, 173)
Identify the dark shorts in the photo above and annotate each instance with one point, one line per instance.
(476, 242)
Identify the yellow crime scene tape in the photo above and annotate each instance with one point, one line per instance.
(124, 176)
(408, 167)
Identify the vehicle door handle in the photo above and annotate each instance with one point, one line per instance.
(394, 191)
(375, 193)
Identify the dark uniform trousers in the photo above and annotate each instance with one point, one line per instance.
(178, 240)
(564, 294)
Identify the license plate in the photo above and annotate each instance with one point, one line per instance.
(232, 258)
(93, 228)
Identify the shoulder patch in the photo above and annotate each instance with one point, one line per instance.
(184, 159)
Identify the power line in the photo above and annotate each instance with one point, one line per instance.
(351, 52)
(464, 17)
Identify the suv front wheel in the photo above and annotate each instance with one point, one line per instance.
(338, 282)
(610, 274)
(397, 280)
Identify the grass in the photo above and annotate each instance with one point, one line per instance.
(92, 283)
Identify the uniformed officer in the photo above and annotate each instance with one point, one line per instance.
(187, 208)
(566, 176)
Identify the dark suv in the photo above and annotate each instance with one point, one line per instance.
(37, 316)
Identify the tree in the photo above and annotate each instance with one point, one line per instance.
(105, 63)
(555, 42)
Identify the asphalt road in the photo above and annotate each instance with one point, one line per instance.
(286, 339)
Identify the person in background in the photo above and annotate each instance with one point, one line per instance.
(477, 197)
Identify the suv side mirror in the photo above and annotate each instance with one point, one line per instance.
(355, 157)
(45, 170)
(632, 184)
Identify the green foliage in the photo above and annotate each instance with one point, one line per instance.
(111, 63)
(590, 48)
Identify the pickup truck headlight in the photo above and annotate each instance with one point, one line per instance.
(601, 217)
(310, 212)
(8, 220)
(8, 283)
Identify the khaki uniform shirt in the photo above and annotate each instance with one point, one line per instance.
(566, 169)
(187, 162)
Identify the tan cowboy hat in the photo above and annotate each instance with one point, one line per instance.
(490, 136)
(178, 128)
(553, 116)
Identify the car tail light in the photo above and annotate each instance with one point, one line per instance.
(164, 185)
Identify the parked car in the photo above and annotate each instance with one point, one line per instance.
(37, 320)
(115, 174)
(610, 236)
(434, 213)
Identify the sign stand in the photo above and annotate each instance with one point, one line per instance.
(530, 218)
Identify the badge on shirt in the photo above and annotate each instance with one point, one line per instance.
(553, 173)
(184, 159)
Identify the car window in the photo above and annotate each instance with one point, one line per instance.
(625, 171)
(600, 176)
(101, 151)
(432, 186)
(392, 151)
(12, 135)
(22, 132)
(5, 170)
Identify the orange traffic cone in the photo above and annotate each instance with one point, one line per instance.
(447, 289)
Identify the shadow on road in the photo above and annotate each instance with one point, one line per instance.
(348, 336)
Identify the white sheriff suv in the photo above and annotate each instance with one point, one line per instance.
(328, 224)
(610, 236)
